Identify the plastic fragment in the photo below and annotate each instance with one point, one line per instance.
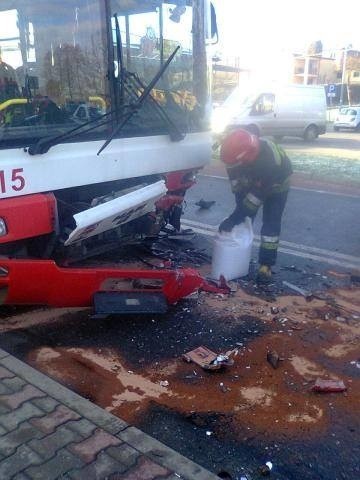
(273, 358)
(265, 470)
(328, 386)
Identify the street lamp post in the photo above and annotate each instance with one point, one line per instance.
(343, 76)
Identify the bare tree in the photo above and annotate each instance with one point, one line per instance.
(315, 48)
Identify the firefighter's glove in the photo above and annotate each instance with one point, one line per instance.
(226, 225)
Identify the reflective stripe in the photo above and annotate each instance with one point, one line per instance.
(281, 187)
(250, 206)
(254, 200)
(265, 238)
(277, 151)
(269, 245)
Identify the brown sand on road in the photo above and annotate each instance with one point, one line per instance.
(312, 339)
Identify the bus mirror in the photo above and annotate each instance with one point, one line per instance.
(214, 28)
(212, 36)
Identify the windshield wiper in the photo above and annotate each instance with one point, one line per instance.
(141, 99)
(175, 134)
(122, 111)
(44, 144)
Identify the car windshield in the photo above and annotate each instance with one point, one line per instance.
(240, 98)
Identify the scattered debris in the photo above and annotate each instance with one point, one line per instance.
(356, 363)
(224, 388)
(217, 286)
(176, 252)
(295, 288)
(291, 268)
(334, 273)
(209, 360)
(328, 386)
(224, 475)
(233, 287)
(344, 309)
(355, 278)
(295, 326)
(265, 470)
(274, 310)
(273, 358)
(205, 204)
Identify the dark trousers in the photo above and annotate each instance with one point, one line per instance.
(273, 208)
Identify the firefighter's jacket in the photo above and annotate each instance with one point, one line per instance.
(253, 183)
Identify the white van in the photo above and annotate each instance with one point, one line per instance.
(292, 110)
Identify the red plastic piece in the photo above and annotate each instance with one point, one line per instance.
(168, 201)
(177, 181)
(214, 286)
(28, 216)
(329, 386)
(42, 282)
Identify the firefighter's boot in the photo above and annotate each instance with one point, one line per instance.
(264, 274)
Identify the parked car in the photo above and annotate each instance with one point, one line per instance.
(289, 110)
(348, 118)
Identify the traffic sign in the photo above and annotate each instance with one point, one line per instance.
(331, 91)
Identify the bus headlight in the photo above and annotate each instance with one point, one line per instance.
(3, 229)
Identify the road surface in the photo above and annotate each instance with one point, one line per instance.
(345, 144)
(234, 420)
(312, 218)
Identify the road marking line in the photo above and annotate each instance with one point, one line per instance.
(296, 246)
(348, 195)
(332, 258)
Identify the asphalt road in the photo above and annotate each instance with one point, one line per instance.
(231, 421)
(335, 143)
(319, 218)
(120, 362)
(323, 220)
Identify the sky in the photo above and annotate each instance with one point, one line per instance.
(250, 28)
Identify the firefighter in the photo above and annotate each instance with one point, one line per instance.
(259, 173)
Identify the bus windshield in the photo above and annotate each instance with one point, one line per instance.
(63, 64)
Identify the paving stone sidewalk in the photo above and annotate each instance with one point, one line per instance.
(49, 432)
